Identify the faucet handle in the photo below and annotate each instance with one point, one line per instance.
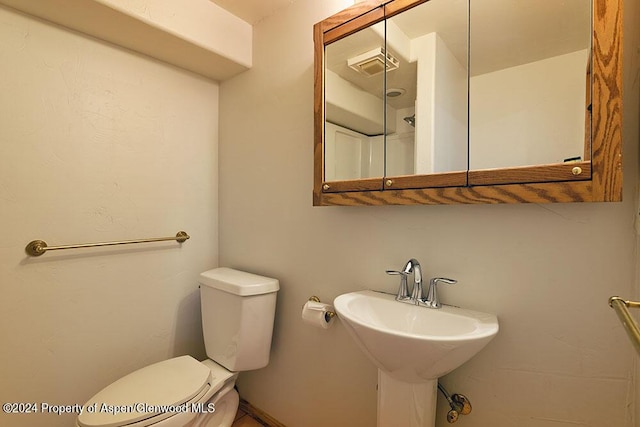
(395, 272)
(444, 280)
(432, 294)
(403, 290)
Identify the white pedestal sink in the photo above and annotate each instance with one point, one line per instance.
(412, 346)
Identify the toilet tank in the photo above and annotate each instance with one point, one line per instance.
(238, 310)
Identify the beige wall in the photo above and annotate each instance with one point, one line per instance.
(561, 357)
(97, 144)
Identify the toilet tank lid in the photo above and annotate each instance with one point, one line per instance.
(238, 282)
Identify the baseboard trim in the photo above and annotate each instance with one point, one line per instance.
(259, 415)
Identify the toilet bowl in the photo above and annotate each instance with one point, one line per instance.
(238, 310)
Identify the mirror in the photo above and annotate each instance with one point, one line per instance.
(354, 106)
(430, 110)
(387, 85)
(529, 82)
(452, 101)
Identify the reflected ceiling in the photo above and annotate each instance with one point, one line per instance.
(504, 33)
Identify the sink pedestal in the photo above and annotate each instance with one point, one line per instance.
(412, 343)
(406, 404)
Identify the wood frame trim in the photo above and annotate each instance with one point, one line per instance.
(445, 179)
(368, 184)
(526, 174)
(354, 25)
(318, 113)
(606, 102)
(350, 13)
(395, 7)
(601, 177)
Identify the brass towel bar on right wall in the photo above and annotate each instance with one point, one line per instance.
(621, 307)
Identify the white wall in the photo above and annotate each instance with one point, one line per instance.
(450, 118)
(98, 144)
(199, 21)
(561, 357)
(196, 35)
(349, 106)
(352, 155)
(399, 154)
(441, 113)
(343, 153)
(537, 107)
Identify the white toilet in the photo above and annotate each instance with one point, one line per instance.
(238, 309)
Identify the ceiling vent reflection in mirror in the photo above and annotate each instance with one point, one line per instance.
(372, 63)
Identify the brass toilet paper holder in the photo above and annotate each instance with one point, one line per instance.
(329, 314)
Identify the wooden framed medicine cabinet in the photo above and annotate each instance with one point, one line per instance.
(485, 116)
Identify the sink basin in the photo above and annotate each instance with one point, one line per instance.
(410, 343)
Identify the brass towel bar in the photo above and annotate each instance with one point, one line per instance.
(621, 308)
(38, 247)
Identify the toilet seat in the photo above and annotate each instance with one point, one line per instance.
(138, 398)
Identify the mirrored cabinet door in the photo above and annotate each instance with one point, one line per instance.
(530, 88)
(458, 101)
(354, 126)
(427, 98)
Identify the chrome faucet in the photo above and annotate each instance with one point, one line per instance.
(432, 294)
(403, 290)
(414, 266)
(416, 296)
